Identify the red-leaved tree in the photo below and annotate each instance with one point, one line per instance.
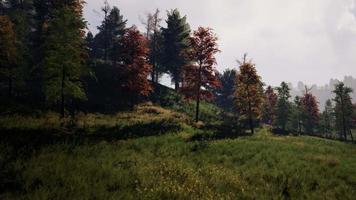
(200, 76)
(269, 106)
(134, 67)
(310, 111)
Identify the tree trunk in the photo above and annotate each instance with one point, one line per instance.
(352, 137)
(62, 94)
(10, 86)
(198, 94)
(251, 125)
(176, 85)
(343, 119)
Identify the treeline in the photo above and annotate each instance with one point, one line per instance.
(244, 94)
(48, 60)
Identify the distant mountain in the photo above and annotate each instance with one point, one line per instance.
(323, 93)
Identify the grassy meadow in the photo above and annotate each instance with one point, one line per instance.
(157, 153)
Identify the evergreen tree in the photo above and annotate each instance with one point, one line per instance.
(310, 111)
(175, 42)
(343, 110)
(8, 53)
(283, 106)
(89, 39)
(200, 77)
(64, 57)
(249, 93)
(296, 118)
(269, 106)
(225, 93)
(113, 27)
(327, 119)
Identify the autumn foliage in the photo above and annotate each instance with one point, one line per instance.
(134, 67)
(249, 93)
(200, 77)
(310, 111)
(269, 105)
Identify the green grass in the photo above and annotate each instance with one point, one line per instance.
(169, 164)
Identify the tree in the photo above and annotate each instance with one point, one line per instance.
(283, 106)
(269, 106)
(225, 93)
(249, 92)
(343, 109)
(134, 68)
(8, 53)
(111, 30)
(327, 118)
(200, 76)
(175, 42)
(64, 57)
(154, 37)
(310, 111)
(296, 117)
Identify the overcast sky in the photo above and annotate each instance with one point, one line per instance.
(288, 40)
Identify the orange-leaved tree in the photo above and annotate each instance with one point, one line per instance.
(134, 68)
(249, 93)
(200, 76)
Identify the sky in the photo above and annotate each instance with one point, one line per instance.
(289, 40)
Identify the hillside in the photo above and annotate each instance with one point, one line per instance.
(156, 153)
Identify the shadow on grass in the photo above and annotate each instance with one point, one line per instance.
(22, 144)
(219, 132)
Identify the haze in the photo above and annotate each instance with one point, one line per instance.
(309, 41)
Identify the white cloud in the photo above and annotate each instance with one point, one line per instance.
(307, 40)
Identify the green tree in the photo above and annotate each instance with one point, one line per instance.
(225, 93)
(111, 30)
(343, 110)
(64, 58)
(283, 106)
(8, 53)
(327, 118)
(249, 93)
(175, 43)
(296, 118)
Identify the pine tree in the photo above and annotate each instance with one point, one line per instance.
(343, 110)
(296, 116)
(269, 106)
(200, 76)
(134, 68)
(283, 106)
(327, 119)
(20, 13)
(64, 58)
(8, 53)
(249, 93)
(175, 42)
(110, 31)
(225, 93)
(310, 111)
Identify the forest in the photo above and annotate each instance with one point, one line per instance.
(86, 116)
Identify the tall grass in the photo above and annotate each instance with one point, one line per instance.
(155, 153)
